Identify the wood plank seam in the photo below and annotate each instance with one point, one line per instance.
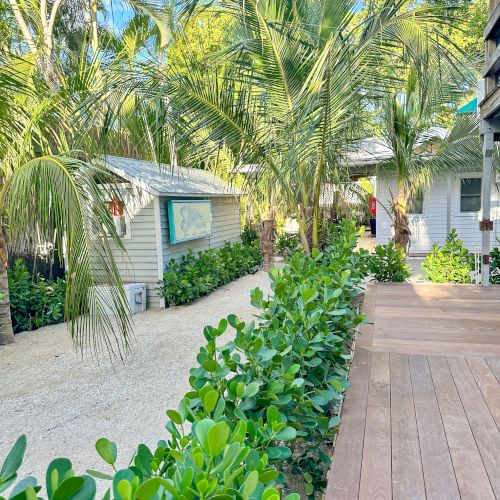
(488, 462)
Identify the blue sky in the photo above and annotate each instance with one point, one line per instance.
(119, 13)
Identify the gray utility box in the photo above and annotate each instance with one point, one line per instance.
(135, 294)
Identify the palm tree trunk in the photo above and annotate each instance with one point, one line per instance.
(402, 231)
(6, 331)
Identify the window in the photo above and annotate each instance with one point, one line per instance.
(117, 209)
(470, 194)
(416, 205)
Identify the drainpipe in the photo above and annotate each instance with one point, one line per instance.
(486, 225)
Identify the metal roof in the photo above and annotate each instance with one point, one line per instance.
(161, 179)
(375, 150)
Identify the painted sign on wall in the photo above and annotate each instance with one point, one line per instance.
(189, 219)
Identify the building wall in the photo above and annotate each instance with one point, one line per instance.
(441, 213)
(147, 243)
(140, 263)
(226, 226)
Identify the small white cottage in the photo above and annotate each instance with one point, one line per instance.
(166, 212)
(453, 200)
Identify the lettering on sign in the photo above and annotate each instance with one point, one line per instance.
(189, 220)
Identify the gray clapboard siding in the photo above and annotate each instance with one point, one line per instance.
(433, 226)
(140, 264)
(226, 226)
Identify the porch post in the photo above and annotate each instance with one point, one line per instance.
(486, 225)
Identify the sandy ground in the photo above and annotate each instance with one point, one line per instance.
(64, 404)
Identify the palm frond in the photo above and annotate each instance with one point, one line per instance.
(61, 195)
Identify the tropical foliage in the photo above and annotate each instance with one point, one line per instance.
(284, 86)
(451, 263)
(198, 274)
(289, 94)
(495, 266)
(34, 301)
(287, 244)
(388, 263)
(419, 151)
(260, 404)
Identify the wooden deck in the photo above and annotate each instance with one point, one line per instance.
(422, 417)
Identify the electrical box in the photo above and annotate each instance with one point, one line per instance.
(135, 294)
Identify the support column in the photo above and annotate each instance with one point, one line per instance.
(486, 225)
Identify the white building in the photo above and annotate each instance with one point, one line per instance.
(167, 212)
(453, 200)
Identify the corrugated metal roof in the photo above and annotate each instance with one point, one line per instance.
(375, 150)
(163, 180)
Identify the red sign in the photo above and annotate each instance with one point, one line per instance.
(373, 206)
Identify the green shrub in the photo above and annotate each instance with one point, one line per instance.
(34, 301)
(388, 263)
(286, 244)
(451, 263)
(249, 236)
(199, 274)
(259, 406)
(495, 266)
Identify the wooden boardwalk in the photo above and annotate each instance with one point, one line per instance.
(422, 417)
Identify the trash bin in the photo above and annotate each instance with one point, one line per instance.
(373, 226)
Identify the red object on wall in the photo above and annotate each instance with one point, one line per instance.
(373, 206)
(116, 207)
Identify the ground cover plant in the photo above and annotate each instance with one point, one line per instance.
(198, 274)
(34, 301)
(388, 263)
(260, 406)
(451, 263)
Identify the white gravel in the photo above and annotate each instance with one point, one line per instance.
(64, 404)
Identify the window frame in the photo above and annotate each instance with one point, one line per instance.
(424, 205)
(469, 175)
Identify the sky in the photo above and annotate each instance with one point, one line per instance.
(118, 14)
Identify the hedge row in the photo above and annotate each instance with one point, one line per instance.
(260, 406)
(198, 274)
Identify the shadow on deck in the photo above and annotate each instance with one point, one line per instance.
(422, 418)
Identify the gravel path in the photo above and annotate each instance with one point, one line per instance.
(64, 404)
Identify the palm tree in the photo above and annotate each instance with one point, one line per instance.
(49, 189)
(51, 196)
(408, 120)
(290, 94)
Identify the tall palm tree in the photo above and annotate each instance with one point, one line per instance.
(289, 95)
(46, 195)
(409, 118)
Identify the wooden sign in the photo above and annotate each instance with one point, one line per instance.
(189, 219)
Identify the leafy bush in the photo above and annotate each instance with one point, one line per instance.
(286, 244)
(388, 263)
(495, 266)
(249, 236)
(34, 301)
(199, 274)
(259, 406)
(451, 263)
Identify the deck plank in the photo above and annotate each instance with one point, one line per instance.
(375, 482)
(439, 475)
(376, 466)
(473, 481)
(407, 475)
(494, 365)
(345, 472)
(488, 385)
(422, 417)
(480, 420)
